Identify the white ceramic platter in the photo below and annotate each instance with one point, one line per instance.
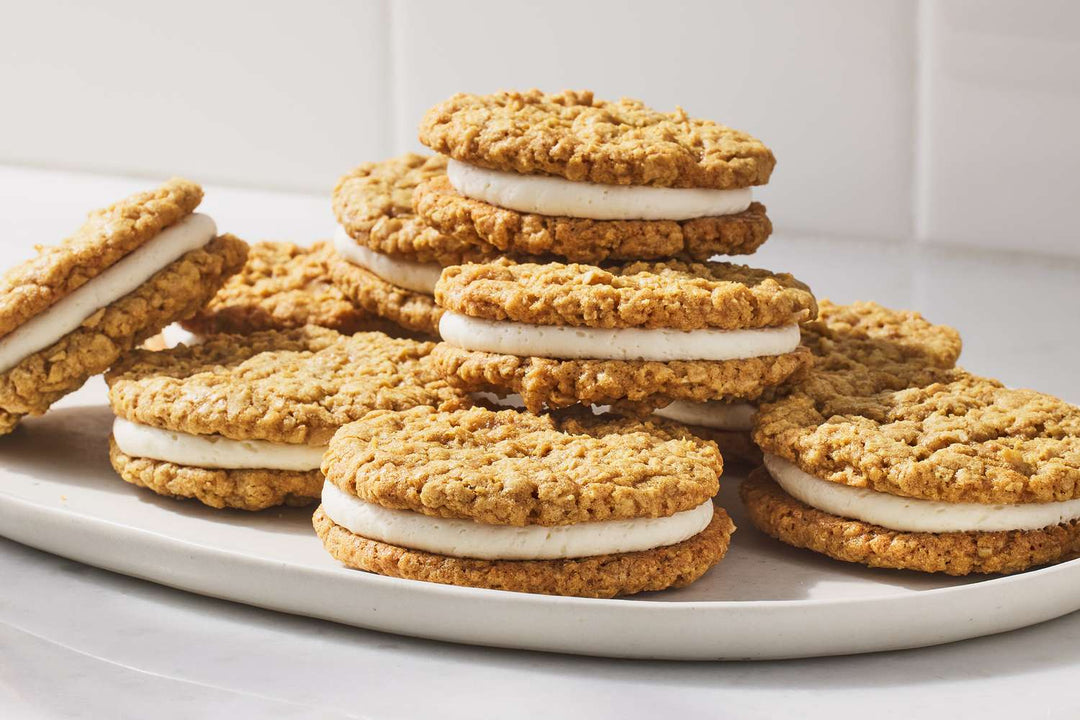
(765, 600)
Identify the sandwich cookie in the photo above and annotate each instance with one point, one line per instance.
(242, 421)
(590, 180)
(644, 332)
(577, 504)
(283, 286)
(130, 270)
(959, 476)
(862, 346)
(387, 260)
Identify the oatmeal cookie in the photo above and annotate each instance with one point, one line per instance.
(413, 311)
(575, 136)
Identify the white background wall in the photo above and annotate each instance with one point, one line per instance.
(944, 121)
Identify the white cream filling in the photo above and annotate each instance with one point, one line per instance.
(914, 514)
(120, 279)
(213, 451)
(570, 343)
(731, 416)
(176, 334)
(465, 538)
(415, 276)
(547, 195)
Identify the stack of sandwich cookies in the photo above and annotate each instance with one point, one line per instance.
(645, 332)
(281, 287)
(588, 180)
(242, 421)
(130, 270)
(860, 345)
(387, 259)
(569, 505)
(959, 476)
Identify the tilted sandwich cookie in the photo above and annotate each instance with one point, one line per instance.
(387, 260)
(242, 421)
(645, 332)
(569, 505)
(590, 180)
(131, 269)
(958, 476)
(862, 343)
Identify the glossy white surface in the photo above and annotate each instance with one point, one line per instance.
(125, 647)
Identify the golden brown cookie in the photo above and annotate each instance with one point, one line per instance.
(963, 439)
(249, 489)
(295, 386)
(846, 337)
(413, 311)
(496, 473)
(173, 293)
(282, 286)
(673, 294)
(513, 468)
(374, 204)
(584, 240)
(736, 447)
(781, 516)
(556, 383)
(288, 389)
(577, 137)
(598, 576)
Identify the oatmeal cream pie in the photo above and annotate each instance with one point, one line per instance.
(645, 332)
(283, 286)
(958, 476)
(573, 504)
(387, 260)
(590, 180)
(242, 421)
(862, 344)
(130, 270)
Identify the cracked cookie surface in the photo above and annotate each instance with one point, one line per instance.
(513, 468)
(295, 386)
(962, 439)
(575, 136)
(671, 294)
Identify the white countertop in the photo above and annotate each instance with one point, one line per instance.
(80, 642)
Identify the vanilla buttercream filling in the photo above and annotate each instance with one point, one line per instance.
(548, 195)
(122, 278)
(213, 451)
(730, 416)
(915, 514)
(176, 334)
(411, 275)
(469, 539)
(571, 343)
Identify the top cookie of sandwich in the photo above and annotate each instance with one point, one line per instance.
(282, 286)
(577, 137)
(374, 203)
(672, 294)
(295, 386)
(963, 439)
(514, 468)
(106, 237)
